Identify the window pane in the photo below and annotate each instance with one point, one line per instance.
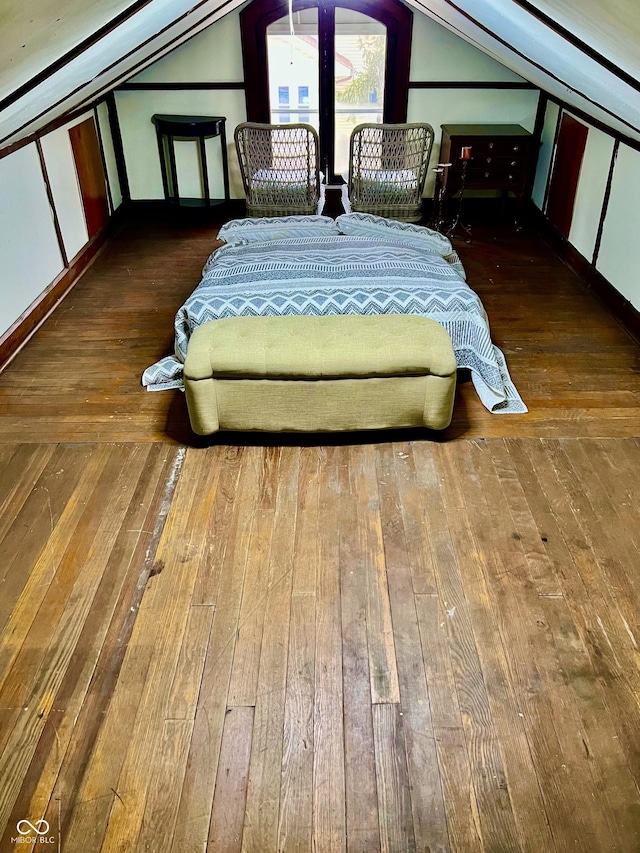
(293, 67)
(361, 44)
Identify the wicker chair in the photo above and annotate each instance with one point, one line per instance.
(279, 167)
(387, 169)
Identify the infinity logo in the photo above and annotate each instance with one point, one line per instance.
(30, 827)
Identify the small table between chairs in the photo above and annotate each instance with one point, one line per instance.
(185, 127)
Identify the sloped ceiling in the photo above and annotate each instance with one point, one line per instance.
(569, 60)
(135, 35)
(614, 27)
(56, 55)
(35, 35)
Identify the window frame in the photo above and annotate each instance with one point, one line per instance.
(303, 99)
(283, 96)
(398, 20)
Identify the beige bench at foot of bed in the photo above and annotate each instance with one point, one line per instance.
(317, 374)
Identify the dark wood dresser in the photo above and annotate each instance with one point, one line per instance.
(500, 156)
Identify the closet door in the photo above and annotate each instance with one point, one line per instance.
(572, 139)
(91, 177)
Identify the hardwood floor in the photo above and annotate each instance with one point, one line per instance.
(381, 643)
(79, 377)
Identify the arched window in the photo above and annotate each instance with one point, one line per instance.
(361, 50)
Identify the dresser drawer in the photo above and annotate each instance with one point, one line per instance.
(494, 178)
(499, 161)
(489, 172)
(500, 156)
(488, 147)
(486, 151)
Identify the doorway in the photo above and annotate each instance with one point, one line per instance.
(563, 185)
(91, 176)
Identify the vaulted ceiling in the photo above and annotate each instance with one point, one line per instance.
(584, 52)
(56, 55)
(77, 51)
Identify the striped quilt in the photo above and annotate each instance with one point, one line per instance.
(343, 275)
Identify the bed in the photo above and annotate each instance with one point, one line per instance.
(359, 264)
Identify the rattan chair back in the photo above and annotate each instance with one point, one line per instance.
(279, 165)
(388, 167)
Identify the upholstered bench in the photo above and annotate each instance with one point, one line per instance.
(315, 374)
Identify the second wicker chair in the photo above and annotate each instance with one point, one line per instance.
(279, 167)
(387, 169)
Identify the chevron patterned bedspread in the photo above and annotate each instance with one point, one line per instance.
(342, 275)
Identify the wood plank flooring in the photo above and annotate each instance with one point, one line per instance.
(382, 643)
(484, 698)
(79, 377)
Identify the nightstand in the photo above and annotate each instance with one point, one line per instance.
(199, 128)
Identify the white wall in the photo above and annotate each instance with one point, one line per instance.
(469, 106)
(63, 178)
(438, 54)
(30, 257)
(592, 184)
(109, 155)
(215, 55)
(545, 153)
(135, 110)
(212, 56)
(592, 181)
(619, 256)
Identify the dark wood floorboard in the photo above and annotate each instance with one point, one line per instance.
(369, 644)
(492, 704)
(78, 379)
